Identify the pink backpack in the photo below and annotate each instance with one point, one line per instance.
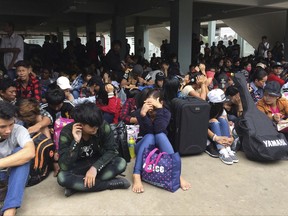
(58, 125)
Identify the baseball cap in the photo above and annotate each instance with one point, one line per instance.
(216, 96)
(262, 65)
(64, 83)
(222, 80)
(277, 64)
(273, 88)
(160, 76)
(137, 70)
(146, 76)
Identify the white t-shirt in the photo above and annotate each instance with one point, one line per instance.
(15, 41)
(18, 137)
(186, 90)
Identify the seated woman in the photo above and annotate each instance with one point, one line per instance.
(109, 103)
(233, 107)
(195, 85)
(218, 124)
(127, 113)
(272, 104)
(153, 119)
(79, 84)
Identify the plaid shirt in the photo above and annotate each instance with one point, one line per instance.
(127, 109)
(32, 89)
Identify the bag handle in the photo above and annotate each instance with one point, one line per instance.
(159, 157)
(148, 162)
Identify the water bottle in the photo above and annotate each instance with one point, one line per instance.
(131, 142)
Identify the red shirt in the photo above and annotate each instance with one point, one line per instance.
(113, 107)
(32, 90)
(273, 77)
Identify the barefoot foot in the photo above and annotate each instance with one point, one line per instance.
(137, 186)
(184, 184)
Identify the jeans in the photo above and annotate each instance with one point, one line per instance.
(159, 140)
(75, 93)
(74, 178)
(220, 128)
(17, 180)
(108, 117)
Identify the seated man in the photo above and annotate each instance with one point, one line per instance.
(27, 82)
(89, 159)
(16, 150)
(57, 106)
(8, 90)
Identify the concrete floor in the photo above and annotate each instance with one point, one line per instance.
(246, 188)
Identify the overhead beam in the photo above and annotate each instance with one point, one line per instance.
(271, 2)
(94, 8)
(24, 9)
(230, 2)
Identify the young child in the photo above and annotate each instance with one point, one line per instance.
(219, 125)
(153, 119)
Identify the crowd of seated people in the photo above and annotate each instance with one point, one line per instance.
(129, 90)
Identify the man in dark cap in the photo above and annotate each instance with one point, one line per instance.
(275, 74)
(272, 103)
(159, 80)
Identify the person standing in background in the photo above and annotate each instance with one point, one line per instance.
(263, 47)
(12, 46)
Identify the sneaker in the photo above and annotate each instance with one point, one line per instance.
(118, 183)
(212, 151)
(68, 192)
(225, 158)
(233, 156)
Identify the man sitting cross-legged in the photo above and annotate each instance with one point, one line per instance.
(89, 159)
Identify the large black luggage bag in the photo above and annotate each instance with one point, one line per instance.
(259, 138)
(189, 125)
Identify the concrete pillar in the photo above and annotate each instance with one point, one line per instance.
(90, 26)
(286, 39)
(181, 31)
(118, 32)
(141, 33)
(211, 32)
(241, 42)
(196, 26)
(73, 33)
(174, 28)
(60, 38)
